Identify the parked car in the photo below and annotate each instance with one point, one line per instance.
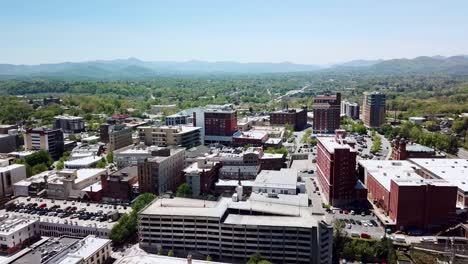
(366, 236)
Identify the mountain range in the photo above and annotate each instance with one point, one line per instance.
(134, 68)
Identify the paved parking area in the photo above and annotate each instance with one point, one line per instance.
(376, 232)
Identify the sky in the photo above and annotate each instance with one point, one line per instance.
(308, 32)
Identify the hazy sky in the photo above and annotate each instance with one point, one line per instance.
(310, 31)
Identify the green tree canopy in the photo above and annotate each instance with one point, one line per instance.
(184, 190)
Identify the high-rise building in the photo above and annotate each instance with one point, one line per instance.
(220, 125)
(350, 110)
(336, 169)
(297, 117)
(69, 124)
(373, 109)
(183, 136)
(327, 113)
(119, 136)
(46, 139)
(163, 172)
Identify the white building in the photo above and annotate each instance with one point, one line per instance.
(67, 250)
(10, 175)
(87, 162)
(17, 232)
(131, 155)
(273, 182)
(417, 119)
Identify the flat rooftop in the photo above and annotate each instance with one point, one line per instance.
(13, 223)
(330, 143)
(86, 161)
(286, 210)
(454, 171)
(284, 179)
(402, 172)
(10, 167)
(69, 117)
(251, 134)
(155, 259)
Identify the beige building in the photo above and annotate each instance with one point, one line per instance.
(119, 137)
(183, 136)
(163, 172)
(45, 139)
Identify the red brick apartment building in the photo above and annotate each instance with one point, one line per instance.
(405, 199)
(220, 125)
(327, 113)
(295, 117)
(336, 169)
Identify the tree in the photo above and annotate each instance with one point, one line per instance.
(110, 157)
(38, 168)
(60, 165)
(209, 258)
(160, 251)
(255, 258)
(101, 164)
(170, 253)
(184, 190)
(126, 227)
(41, 156)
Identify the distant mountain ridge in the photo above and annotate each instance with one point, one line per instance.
(134, 68)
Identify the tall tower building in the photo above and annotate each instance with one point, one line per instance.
(327, 113)
(374, 109)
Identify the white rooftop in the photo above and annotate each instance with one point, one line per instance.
(330, 143)
(155, 259)
(402, 172)
(90, 245)
(253, 134)
(84, 162)
(454, 171)
(284, 178)
(10, 167)
(13, 223)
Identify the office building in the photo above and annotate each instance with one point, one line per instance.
(67, 250)
(120, 186)
(350, 110)
(336, 170)
(326, 113)
(17, 232)
(373, 109)
(281, 228)
(220, 125)
(133, 154)
(296, 117)
(119, 136)
(69, 124)
(162, 172)
(9, 143)
(182, 136)
(178, 119)
(404, 200)
(202, 175)
(10, 175)
(45, 139)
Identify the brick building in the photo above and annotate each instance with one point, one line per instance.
(202, 175)
(119, 186)
(163, 172)
(295, 117)
(404, 199)
(336, 170)
(220, 125)
(401, 150)
(373, 109)
(251, 137)
(327, 113)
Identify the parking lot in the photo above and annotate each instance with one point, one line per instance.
(357, 224)
(62, 209)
